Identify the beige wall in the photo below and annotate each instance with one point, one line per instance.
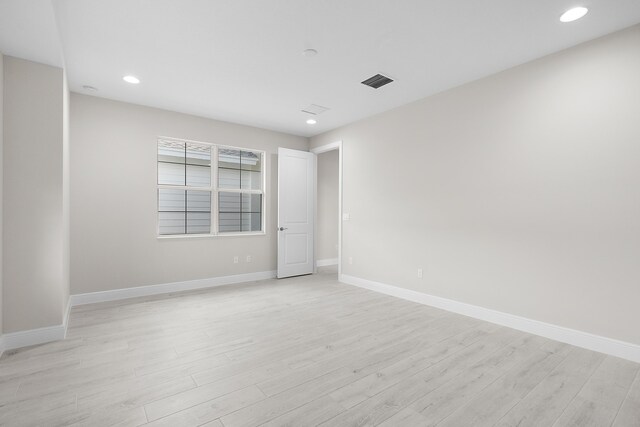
(327, 221)
(518, 192)
(66, 196)
(114, 241)
(34, 286)
(1, 185)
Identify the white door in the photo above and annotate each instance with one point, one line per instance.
(296, 211)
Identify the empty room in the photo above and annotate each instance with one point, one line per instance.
(235, 213)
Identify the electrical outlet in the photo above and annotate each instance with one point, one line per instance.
(235, 259)
(419, 273)
(248, 258)
(350, 260)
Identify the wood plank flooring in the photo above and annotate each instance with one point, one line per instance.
(306, 351)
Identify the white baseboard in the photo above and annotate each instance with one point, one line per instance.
(36, 336)
(586, 340)
(165, 288)
(65, 323)
(54, 333)
(326, 262)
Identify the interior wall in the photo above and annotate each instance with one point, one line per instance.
(518, 192)
(66, 198)
(1, 186)
(114, 242)
(327, 209)
(34, 287)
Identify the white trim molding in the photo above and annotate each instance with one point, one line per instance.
(59, 332)
(166, 288)
(326, 262)
(582, 339)
(30, 337)
(336, 145)
(67, 313)
(37, 336)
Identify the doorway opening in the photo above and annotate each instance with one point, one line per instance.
(328, 224)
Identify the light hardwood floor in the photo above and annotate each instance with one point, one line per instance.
(302, 352)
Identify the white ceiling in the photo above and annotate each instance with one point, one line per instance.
(28, 30)
(241, 61)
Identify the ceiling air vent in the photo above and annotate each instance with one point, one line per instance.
(314, 109)
(377, 81)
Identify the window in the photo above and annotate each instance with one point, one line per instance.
(208, 189)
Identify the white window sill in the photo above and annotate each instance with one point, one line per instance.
(209, 236)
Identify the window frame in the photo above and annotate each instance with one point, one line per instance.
(215, 191)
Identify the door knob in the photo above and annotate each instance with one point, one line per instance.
(282, 228)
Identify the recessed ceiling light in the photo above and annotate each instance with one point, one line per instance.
(573, 14)
(90, 88)
(309, 52)
(311, 122)
(131, 79)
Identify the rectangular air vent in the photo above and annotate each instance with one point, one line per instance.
(314, 109)
(377, 81)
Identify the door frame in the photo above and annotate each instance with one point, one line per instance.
(337, 145)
